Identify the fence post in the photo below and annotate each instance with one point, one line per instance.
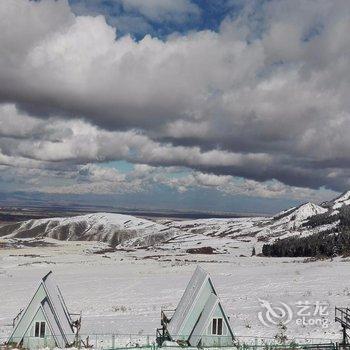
(113, 341)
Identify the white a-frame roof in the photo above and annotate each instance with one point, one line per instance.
(58, 307)
(189, 303)
(47, 299)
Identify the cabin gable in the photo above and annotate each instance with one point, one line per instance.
(217, 315)
(39, 333)
(46, 321)
(213, 327)
(27, 316)
(199, 318)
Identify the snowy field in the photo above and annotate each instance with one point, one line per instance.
(123, 292)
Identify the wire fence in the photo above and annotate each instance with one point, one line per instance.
(114, 341)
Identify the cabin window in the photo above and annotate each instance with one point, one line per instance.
(40, 329)
(219, 326)
(216, 326)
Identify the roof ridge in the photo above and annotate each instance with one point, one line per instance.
(47, 275)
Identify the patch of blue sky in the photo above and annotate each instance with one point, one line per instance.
(120, 165)
(214, 12)
(313, 32)
(130, 21)
(178, 174)
(207, 199)
(126, 167)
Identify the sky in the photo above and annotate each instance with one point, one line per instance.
(232, 105)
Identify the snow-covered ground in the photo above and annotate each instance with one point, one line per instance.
(123, 291)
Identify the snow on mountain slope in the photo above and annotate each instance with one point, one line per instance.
(233, 228)
(127, 230)
(256, 230)
(295, 217)
(292, 223)
(337, 203)
(104, 227)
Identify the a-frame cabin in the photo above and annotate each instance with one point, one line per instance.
(199, 319)
(46, 321)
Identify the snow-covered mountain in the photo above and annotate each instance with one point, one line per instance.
(127, 230)
(258, 230)
(114, 229)
(295, 217)
(233, 228)
(299, 214)
(337, 203)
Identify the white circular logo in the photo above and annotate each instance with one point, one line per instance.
(272, 315)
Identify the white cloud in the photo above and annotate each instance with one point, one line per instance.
(268, 105)
(80, 142)
(241, 187)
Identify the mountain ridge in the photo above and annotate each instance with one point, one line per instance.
(127, 230)
(113, 229)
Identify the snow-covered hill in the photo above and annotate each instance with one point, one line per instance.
(126, 230)
(337, 203)
(104, 227)
(295, 217)
(234, 228)
(258, 230)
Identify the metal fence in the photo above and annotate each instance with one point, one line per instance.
(94, 341)
(114, 341)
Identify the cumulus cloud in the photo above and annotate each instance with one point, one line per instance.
(95, 179)
(91, 178)
(61, 157)
(264, 98)
(80, 142)
(232, 186)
